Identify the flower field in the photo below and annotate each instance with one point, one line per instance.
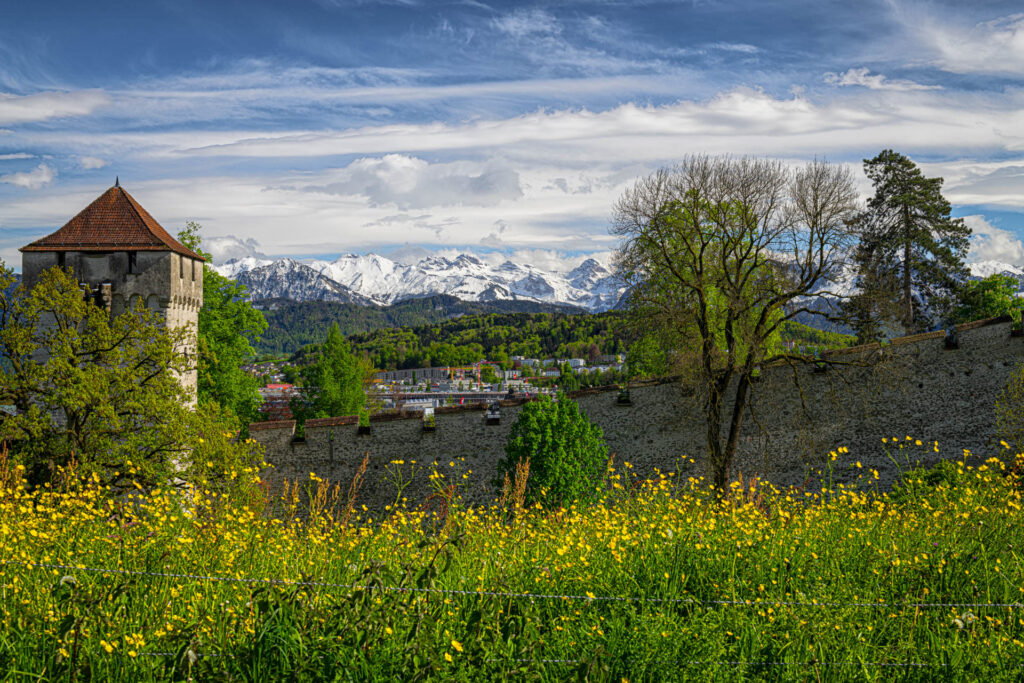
(664, 580)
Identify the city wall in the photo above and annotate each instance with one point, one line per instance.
(931, 387)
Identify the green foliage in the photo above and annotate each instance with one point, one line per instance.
(989, 297)
(566, 451)
(296, 324)
(228, 328)
(908, 244)
(333, 384)
(496, 337)
(101, 392)
(648, 357)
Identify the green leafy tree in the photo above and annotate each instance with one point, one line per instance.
(228, 328)
(910, 257)
(103, 392)
(989, 297)
(333, 385)
(647, 357)
(566, 451)
(700, 258)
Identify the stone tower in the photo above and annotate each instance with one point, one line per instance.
(124, 256)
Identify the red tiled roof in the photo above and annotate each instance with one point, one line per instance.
(113, 222)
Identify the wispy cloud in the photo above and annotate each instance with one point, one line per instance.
(49, 105)
(15, 156)
(863, 77)
(955, 43)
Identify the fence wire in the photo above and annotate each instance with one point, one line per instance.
(518, 595)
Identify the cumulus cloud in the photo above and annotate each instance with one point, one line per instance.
(862, 77)
(48, 105)
(90, 163)
(227, 247)
(989, 243)
(39, 177)
(409, 182)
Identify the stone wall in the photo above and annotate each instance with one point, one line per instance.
(916, 386)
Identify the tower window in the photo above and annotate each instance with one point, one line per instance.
(60, 259)
(193, 269)
(133, 262)
(181, 267)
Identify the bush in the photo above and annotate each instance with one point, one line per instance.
(566, 451)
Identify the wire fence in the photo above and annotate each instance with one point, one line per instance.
(192, 656)
(520, 595)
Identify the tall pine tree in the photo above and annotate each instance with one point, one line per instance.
(910, 257)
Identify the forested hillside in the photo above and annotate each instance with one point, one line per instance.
(292, 324)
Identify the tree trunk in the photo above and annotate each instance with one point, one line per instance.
(908, 302)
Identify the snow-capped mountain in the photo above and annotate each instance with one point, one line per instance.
(289, 279)
(983, 269)
(380, 280)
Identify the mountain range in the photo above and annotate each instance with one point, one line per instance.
(371, 279)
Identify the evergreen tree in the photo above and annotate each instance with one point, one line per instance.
(333, 385)
(909, 243)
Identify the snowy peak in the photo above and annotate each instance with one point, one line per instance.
(375, 279)
(983, 269)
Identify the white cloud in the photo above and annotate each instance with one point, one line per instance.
(953, 44)
(970, 182)
(16, 155)
(90, 163)
(48, 105)
(741, 120)
(408, 182)
(226, 247)
(989, 243)
(862, 77)
(32, 180)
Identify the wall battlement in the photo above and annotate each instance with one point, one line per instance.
(932, 386)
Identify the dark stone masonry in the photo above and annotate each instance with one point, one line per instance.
(926, 387)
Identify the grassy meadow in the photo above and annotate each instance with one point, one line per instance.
(662, 580)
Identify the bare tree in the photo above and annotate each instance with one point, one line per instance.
(717, 254)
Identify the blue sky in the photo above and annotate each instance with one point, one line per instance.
(330, 126)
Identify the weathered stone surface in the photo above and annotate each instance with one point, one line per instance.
(914, 387)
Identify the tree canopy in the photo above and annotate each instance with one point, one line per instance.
(103, 392)
(717, 255)
(333, 384)
(910, 257)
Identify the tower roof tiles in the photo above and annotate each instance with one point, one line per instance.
(113, 222)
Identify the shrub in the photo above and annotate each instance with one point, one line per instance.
(566, 451)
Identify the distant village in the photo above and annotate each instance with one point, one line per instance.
(420, 388)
